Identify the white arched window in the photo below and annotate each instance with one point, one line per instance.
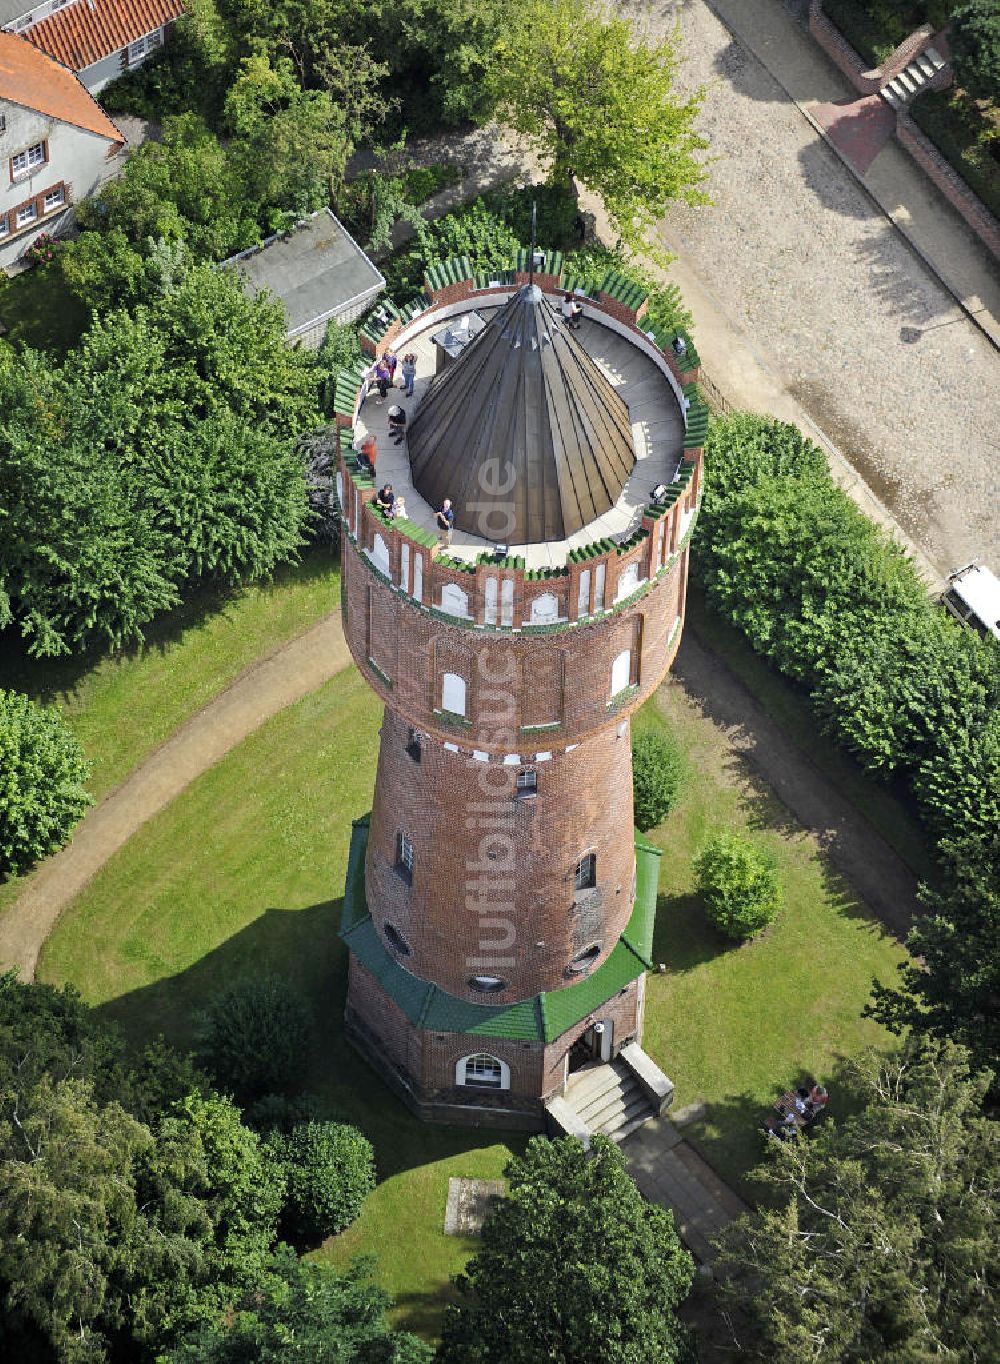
(454, 600)
(545, 609)
(583, 601)
(418, 577)
(507, 602)
(340, 488)
(482, 1071)
(380, 554)
(628, 582)
(621, 672)
(599, 573)
(453, 693)
(404, 566)
(491, 601)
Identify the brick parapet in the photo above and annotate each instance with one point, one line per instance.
(869, 81)
(403, 647)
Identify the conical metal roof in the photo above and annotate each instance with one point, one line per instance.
(522, 432)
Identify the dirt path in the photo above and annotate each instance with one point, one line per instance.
(858, 852)
(262, 691)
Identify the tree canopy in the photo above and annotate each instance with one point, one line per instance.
(575, 1266)
(42, 776)
(596, 101)
(878, 1238)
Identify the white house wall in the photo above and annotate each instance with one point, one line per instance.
(77, 158)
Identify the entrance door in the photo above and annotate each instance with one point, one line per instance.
(604, 1034)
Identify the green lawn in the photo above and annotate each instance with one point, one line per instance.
(123, 706)
(39, 311)
(244, 872)
(734, 1026)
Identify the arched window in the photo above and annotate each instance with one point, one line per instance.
(404, 857)
(599, 574)
(507, 602)
(454, 600)
(404, 566)
(491, 601)
(628, 582)
(585, 876)
(482, 1071)
(380, 553)
(453, 693)
(340, 489)
(418, 577)
(488, 985)
(583, 601)
(396, 940)
(621, 672)
(545, 609)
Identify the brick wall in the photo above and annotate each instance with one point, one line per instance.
(414, 649)
(492, 890)
(949, 182)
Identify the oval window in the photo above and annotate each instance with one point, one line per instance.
(488, 985)
(585, 959)
(395, 939)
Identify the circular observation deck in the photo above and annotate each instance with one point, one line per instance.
(632, 365)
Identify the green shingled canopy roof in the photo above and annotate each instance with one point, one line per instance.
(540, 1019)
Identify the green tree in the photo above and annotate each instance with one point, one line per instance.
(308, 1313)
(975, 48)
(949, 986)
(575, 1266)
(330, 1171)
(738, 881)
(658, 771)
(42, 776)
(255, 1038)
(878, 1239)
(291, 145)
(742, 450)
(596, 101)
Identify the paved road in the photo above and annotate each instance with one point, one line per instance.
(834, 301)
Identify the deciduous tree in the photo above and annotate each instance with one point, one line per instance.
(596, 100)
(575, 1266)
(42, 781)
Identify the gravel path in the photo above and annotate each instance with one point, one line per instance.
(264, 689)
(837, 303)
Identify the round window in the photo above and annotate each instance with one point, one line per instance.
(488, 985)
(395, 939)
(585, 959)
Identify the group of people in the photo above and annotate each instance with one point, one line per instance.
(382, 374)
(797, 1109)
(388, 503)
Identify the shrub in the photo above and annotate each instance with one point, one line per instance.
(975, 47)
(665, 307)
(282, 1112)
(254, 1038)
(330, 1171)
(738, 880)
(657, 777)
(42, 775)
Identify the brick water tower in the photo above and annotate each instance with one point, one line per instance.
(499, 906)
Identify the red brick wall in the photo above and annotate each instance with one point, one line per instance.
(414, 649)
(949, 182)
(427, 1060)
(492, 891)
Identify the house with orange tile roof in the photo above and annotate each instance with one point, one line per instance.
(98, 39)
(57, 145)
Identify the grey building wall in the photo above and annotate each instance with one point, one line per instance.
(76, 157)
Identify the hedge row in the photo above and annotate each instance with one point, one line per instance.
(821, 591)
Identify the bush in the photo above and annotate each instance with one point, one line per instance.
(330, 1171)
(254, 1038)
(657, 777)
(42, 775)
(975, 48)
(557, 217)
(666, 306)
(738, 880)
(282, 1112)
(474, 231)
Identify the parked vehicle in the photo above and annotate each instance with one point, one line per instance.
(973, 597)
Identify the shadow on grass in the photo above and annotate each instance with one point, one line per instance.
(49, 679)
(302, 945)
(729, 1133)
(683, 938)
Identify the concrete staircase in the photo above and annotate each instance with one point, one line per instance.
(609, 1099)
(912, 79)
